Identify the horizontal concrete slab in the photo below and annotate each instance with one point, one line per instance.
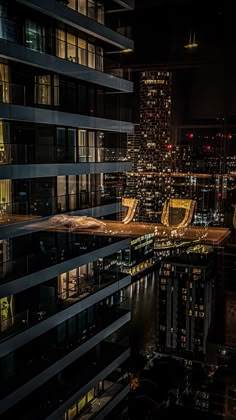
(47, 116)
(59, 169)
(17, 52)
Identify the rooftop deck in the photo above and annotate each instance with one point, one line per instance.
(208, 235)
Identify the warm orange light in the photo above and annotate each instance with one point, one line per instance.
(127, 50)
(193, 45)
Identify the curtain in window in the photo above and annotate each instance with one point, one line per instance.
(4, 84)
(60, 43)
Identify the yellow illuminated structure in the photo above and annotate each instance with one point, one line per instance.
(192, 42)
(181, 204)
(132, 204)
(6, 312)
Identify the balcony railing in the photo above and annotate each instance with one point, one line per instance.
(61, 97)
(91, 9)
(24, 154)
(42, 205)
(50, 398)
(24, 372)
(58, 47)
(74, 246)
(32, 316)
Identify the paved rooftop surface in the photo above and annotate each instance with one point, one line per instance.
(209, 235)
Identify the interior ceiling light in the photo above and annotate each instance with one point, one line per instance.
(192, 43)
(126, 50)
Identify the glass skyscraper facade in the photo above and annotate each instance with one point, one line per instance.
(62, 344)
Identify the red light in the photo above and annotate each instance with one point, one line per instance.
(219, 195)
(191, 136)
(208, 148)
(229, 136)
(169, 146)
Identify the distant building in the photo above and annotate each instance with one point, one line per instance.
(186, 299)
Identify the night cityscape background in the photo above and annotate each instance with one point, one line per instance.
(117, 209)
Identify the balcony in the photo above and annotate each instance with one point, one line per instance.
(60, 56)
(85, 289)
(64, 252)
(50, 103)
(43, 206)
(27, 154)
(43, 367)
(54, 398)
(88, 19)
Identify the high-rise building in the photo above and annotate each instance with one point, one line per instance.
(150, 146)
(61, 314)
(186, 304)
(194, 160)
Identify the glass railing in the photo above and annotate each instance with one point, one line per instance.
(32, 316)
(76, 54)
(60, 48)
(92, 10)
(53, 395)
(74, 245)
(23, 154)
(8, 30)
(43, 205)
(63, 98)
(104, 398)
(40, 362)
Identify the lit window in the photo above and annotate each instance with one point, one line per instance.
(34, 36)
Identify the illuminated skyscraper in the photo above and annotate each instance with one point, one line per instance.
(151, 145)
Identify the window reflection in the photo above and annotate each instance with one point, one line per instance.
(34, 36)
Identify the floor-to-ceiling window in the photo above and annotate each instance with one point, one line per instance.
(78, 50)
(5, 150)
(72, 192)
(82, 52)
(91, 56)
(6, 312)
(5, 197)
(82, 146)
(4, 83)
(60, 43)
(34, 36)
(91, 8)
(46, 90)
(61, 194)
